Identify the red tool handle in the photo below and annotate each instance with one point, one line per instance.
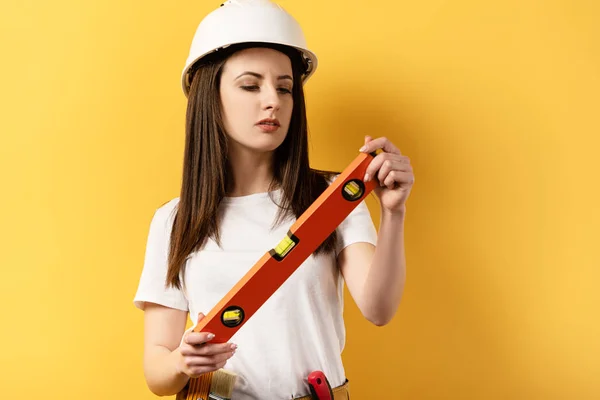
(319, 386)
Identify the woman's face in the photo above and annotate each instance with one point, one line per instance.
(256, 85)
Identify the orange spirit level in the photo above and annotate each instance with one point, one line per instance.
(275, 266)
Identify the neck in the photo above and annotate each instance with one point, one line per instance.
(252, 172)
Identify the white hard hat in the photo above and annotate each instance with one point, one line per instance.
(244, 21)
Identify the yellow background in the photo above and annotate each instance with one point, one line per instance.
(496, 103)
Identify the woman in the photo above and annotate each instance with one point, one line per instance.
(246, 178)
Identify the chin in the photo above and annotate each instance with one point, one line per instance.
(266, 147)
(265, 142)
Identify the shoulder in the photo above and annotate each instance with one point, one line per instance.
(166, 211)
(168, 206)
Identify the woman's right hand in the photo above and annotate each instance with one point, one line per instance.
(198, 356)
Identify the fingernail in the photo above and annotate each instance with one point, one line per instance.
(367, 178)
(233, 347)
(362, 148)
(210, 336)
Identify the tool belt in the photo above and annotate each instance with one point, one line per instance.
(339, 393)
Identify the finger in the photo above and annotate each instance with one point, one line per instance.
(207, 349)
(403, 159)
(398, 177)
(368, 139)
(389, 181)
(197, 361)
(380, 143)
(196, 338)
(392, 164)
(213, 349)
(190, 331)
(378, 161)
(200, 317)
(374, 166)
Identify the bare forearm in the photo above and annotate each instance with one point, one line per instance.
(162, 376)
(384, 285)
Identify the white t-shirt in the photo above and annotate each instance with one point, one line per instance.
(299, 329)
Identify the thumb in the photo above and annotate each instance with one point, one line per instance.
(200, 317)
(190, 329)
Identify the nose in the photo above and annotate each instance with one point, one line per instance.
(271, 100)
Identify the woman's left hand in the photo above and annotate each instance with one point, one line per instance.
(394, 172)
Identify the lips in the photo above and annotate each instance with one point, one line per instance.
(268, 122)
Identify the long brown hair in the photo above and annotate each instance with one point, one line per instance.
(206, 171)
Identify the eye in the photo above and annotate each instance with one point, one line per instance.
(254, 88)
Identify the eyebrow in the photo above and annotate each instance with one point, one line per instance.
(259, 76)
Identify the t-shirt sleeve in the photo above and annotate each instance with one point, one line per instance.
(356, 227)
(151, 286)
